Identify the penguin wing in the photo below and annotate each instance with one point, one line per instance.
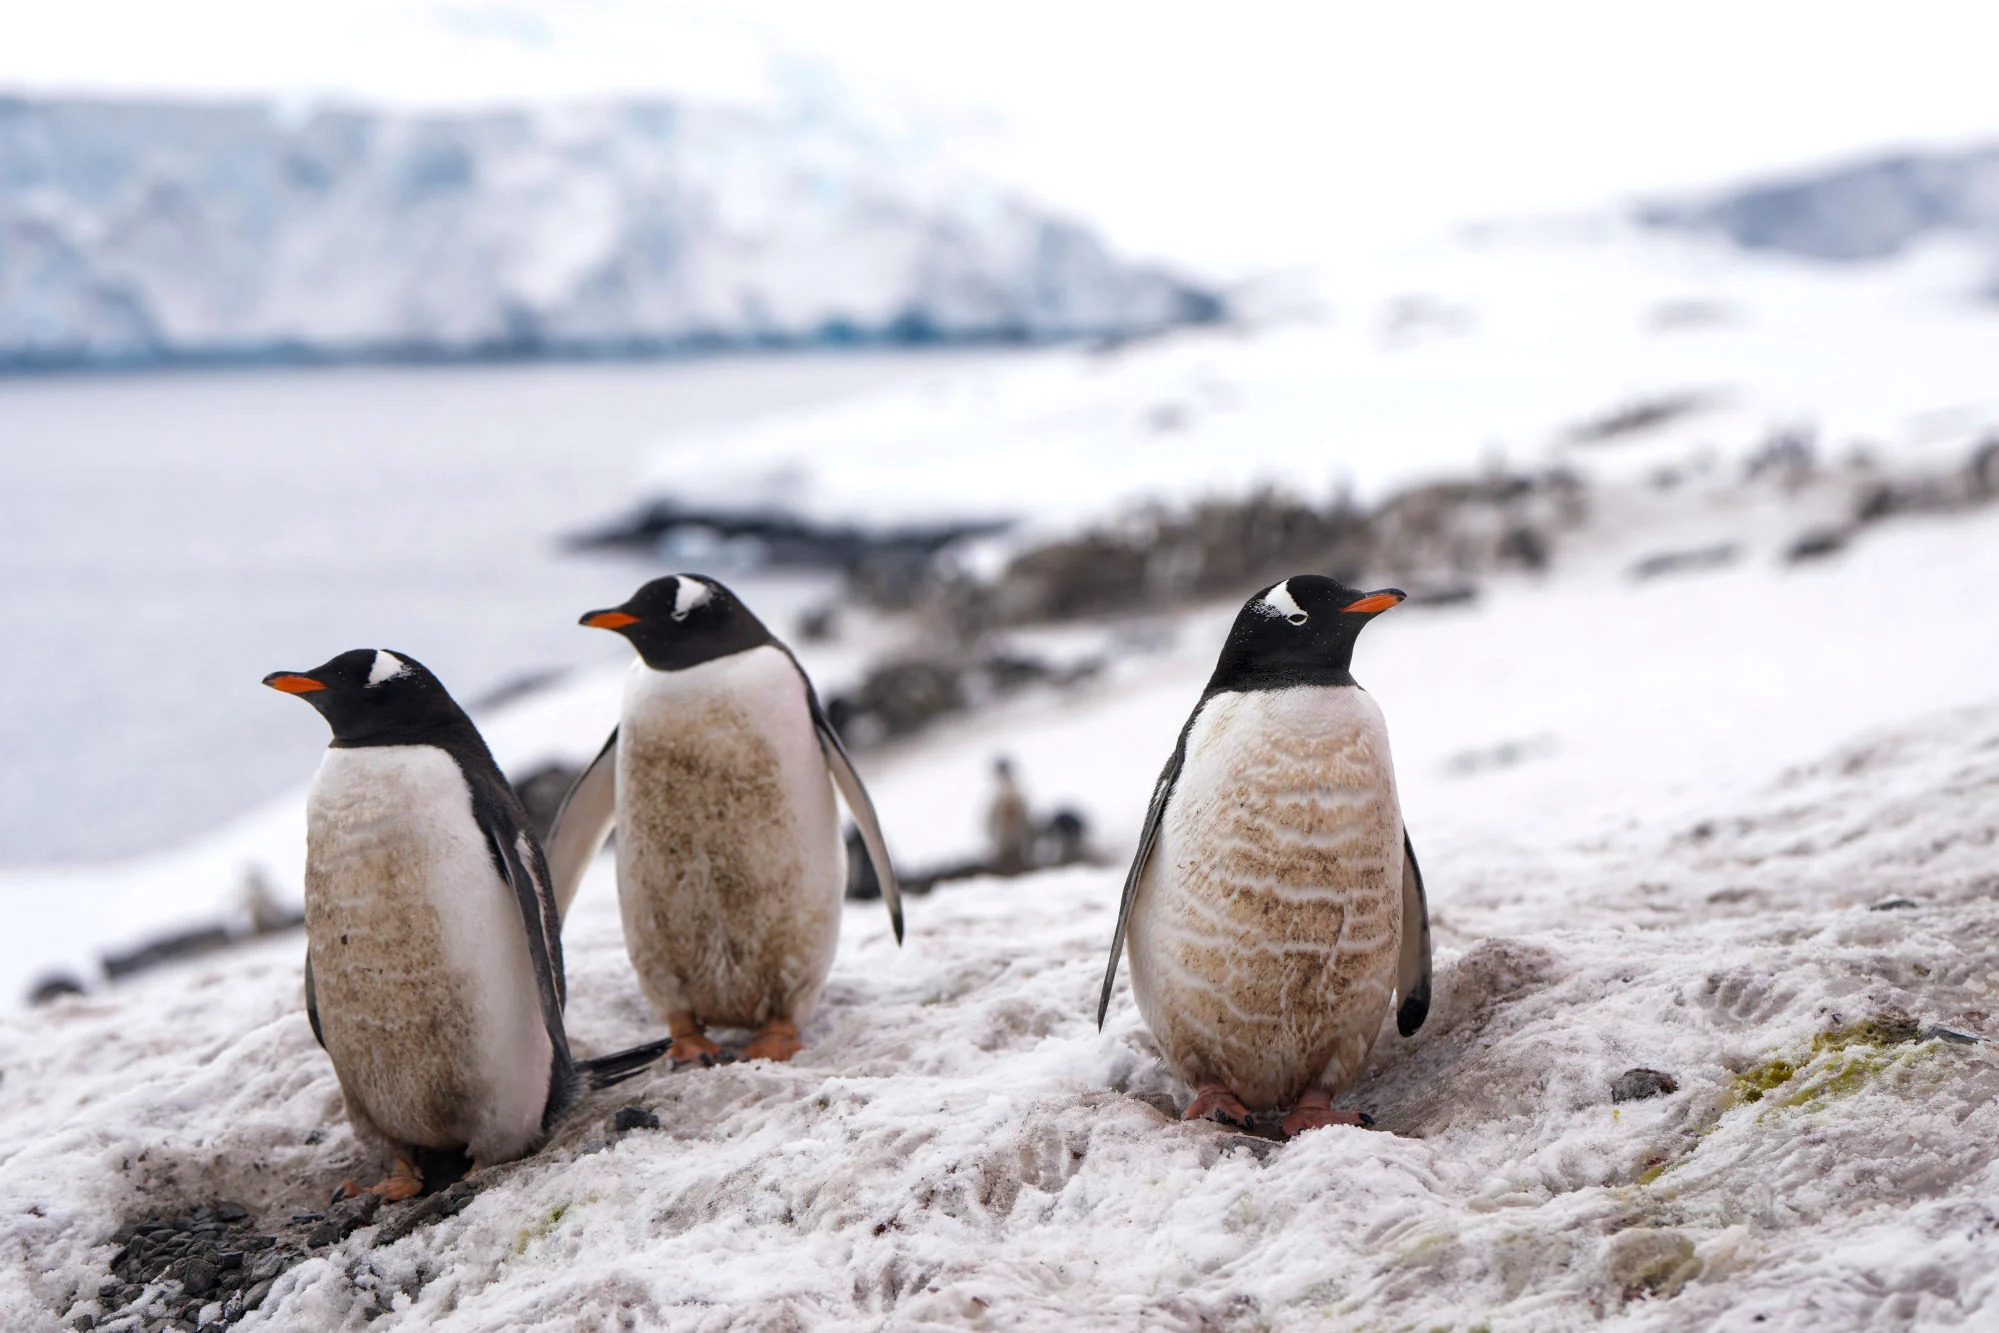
(1412, 970)
(1168, 776)
(523, 870)
(582, 824)
(858, 804)
(312, 1005)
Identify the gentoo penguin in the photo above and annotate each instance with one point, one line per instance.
(433, 972)
(731, 866)
(1274, 908)
(1009, 829)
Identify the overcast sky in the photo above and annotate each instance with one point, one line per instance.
(1234, 134)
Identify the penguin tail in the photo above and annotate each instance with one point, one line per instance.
(610, 1070)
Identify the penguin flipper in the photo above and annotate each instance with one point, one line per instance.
(858, 804)
(522, 869)
(582, 824)
(312, 1005)
(1412, 970)
(1168, 776)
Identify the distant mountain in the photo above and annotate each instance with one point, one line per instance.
(133, 232)
(1865, 210)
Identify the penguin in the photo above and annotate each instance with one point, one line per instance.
(1275, 912)
(1009, 828)
(433, 975)
(731, 864)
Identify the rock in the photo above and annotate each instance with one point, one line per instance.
(1645, 1261)
(435, 1207)
(634, 1117)
(1814, 544)
(254, 1297)
(197, 1275)
(53, 987)
(1686, 562)
(344, 1219)
(1635, 1085)
(1951, 1035)
(1894, 905)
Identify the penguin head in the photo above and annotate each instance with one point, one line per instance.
(371, 696)
(683, 620)
(1298, 632)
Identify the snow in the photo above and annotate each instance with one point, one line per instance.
(1731, 770)
(1425, 361)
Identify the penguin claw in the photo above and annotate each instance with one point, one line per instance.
(690, 1043)
(1215, 1102)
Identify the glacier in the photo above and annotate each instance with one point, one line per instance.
(148, 231)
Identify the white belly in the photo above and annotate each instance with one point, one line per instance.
(1265, 928)
(426, 994)
(731, 867)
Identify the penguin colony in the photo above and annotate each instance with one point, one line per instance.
(1274, 912)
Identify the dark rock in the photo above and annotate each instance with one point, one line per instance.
(254, 1297)
(231, 1212)
(185, 944)
(343, 1220)
(54, 986)
(229, 1259)
(1642, 415)
(197, 1275)
(634, 1117)
(426, 1210)
(1951, 1035)
(1637, 1084)
(1894, 905)
(1814, 544)
(1686, 562)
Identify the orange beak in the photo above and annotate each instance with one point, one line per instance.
(608, 620)
(291, 684)
(1377, 601)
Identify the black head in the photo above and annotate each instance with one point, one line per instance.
(1298, 632)
(371, 696)
(683, 620)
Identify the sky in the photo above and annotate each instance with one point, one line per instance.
(1236, 137)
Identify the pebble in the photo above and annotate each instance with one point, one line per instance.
(1637, 1084)
(634, 1117)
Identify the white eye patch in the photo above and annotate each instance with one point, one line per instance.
(689, 593)
(1279, 602)
(387, 667)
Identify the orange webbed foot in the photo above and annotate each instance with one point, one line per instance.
(778, 1041)
(404, 1181)
(690, 1043)
(1215, 1102)
(1315, 1111)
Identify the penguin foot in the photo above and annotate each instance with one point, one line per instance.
(404, 1181)
(690, 1044)
(778, 1041)
(1315, 1111)
(1215, 1102)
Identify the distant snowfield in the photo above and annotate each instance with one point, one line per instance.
(1725, 772)
(1420, 363)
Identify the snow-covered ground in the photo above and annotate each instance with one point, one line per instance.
(1725, 774)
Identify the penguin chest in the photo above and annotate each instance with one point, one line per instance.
(1265, 928)
(730, 862)
(423, 985)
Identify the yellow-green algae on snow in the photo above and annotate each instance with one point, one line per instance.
(1842, 1061)
(1861, 1050)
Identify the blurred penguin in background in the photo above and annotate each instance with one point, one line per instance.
(1009, 829)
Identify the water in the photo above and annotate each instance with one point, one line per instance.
(167, 540)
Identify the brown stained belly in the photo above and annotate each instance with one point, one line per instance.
(1273, 955)
(719, 915)
(396, 1017)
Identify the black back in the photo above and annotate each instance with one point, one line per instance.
(683, 620)
(374, 697)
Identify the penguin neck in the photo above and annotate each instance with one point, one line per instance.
(456, 736)
(1242, 673)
